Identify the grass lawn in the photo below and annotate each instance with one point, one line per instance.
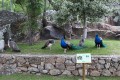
(48, 77)
(112, 47)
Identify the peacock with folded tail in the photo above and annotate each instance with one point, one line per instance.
(98, 41)
(48, 44)
(67, 45)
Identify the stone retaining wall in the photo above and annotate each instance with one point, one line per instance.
(58, 65)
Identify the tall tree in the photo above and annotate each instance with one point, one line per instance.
(32, 8)
(86, 10)
(62, 17)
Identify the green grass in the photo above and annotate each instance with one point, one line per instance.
(48, 77)
(112, 47)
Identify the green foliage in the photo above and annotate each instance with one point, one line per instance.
(56, 4)
(21, 4)
(91, 10)
(34, 6)
(63, 15)
(33, 10)
(18, 9)
(6, 4)
(114, 10)
(70, 9)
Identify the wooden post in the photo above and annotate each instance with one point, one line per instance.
(84, 59)
(83, 71)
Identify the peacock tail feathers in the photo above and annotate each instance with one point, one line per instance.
(74, 47)
(102, 45)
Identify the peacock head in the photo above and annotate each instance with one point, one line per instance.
(96, 35)
(63, 37)
(10, 39)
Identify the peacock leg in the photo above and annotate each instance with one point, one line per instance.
(50, 47)
(2, 50)
(99, 46)
(65, 50)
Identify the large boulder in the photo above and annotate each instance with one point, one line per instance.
(101, 26)
(7, 17)
(13, 19)
(104, 30)
(102, 33)
(92, 33)
(51, 32)
(114, 20)
(55, 32)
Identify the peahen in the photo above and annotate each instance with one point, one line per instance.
(67, 45)
(48, 43)
(98, 41)
(12, 44)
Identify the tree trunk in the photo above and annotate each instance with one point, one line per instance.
(68, 30)
(84, 36)
(2, 4)
(85, 31)
(30, 36)
(11, 5)
(9, 31)
(32, 20)
(44, 21)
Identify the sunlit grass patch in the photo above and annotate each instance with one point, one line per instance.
(112, 47)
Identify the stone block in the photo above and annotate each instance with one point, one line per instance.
(55, 72)
(75, 72)
(49, 66)
(95, 73)
(66, 72)
(20, 60)
(69, 63)
(60, 66)
(60, 60)
(102, 61)
(106, 73)
(70, 68)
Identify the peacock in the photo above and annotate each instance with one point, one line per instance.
(48, 44)
(2, 45)
(98, 41)
(67, 45)
(12, 44)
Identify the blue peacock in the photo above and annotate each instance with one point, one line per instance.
(67, 45)
(98, 41)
